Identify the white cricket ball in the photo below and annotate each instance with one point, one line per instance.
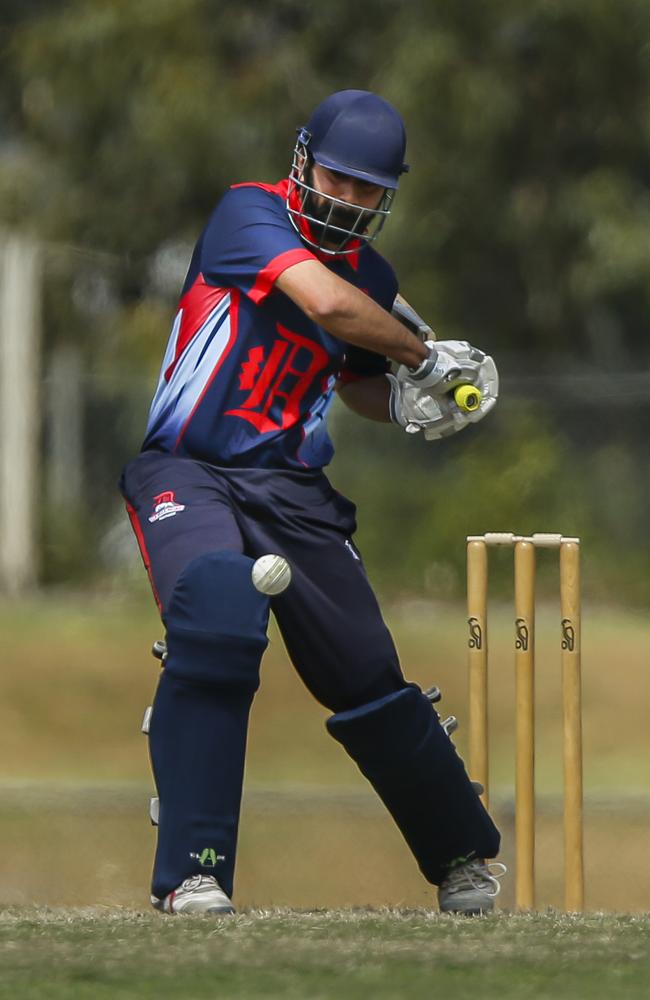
(271, 574)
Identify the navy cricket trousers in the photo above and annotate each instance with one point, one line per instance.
(329, 617)
(188, 515)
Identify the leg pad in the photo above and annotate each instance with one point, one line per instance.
(399, 744)
(216, 623)
(216, 633)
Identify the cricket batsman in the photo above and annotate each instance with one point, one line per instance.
(286, 302)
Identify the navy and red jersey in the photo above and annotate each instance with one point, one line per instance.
(247, 378)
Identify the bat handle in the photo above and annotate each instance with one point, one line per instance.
(467, 398)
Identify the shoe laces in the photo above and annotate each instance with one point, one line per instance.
(197, 882)
(479, 875)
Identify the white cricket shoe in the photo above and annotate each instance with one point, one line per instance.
(471, 888)
(197, 894)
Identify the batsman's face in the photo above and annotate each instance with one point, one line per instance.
(352, 190)
(345, 188)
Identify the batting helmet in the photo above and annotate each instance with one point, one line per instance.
(356, 133)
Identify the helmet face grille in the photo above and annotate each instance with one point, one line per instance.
(335, 227)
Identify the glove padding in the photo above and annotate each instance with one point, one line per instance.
(415, 409)
(452, 363)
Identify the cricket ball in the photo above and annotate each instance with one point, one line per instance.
(271, 574)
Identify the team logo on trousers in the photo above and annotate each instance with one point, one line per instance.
(165, 506)
(208, 858)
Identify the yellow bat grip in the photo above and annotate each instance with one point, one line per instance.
(467, 398)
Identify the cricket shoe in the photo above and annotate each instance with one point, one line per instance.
(471, 887)
(197, 894)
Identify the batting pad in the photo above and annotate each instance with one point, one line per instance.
(399, 745)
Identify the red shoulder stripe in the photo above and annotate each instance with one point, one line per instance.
(269, 274)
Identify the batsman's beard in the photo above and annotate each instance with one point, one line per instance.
(331, 224)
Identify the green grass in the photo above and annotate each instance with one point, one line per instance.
(347, 955)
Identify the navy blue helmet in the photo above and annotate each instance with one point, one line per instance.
(360, 134)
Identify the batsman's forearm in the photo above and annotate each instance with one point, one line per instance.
(358, 320)
(348, 313)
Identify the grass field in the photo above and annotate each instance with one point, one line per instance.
(74, 776)
(331, 903)
(347, 955)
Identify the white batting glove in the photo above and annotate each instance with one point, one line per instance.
(450, 363)
(416, 410)
(437, 416)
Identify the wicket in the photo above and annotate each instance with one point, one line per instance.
(524, 586)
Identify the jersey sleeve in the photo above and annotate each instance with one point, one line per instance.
(249, 241)
(360, 363)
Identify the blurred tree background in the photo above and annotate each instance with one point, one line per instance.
(524, 226)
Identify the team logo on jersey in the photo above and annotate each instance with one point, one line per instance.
(276, 382)
(165, 506)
